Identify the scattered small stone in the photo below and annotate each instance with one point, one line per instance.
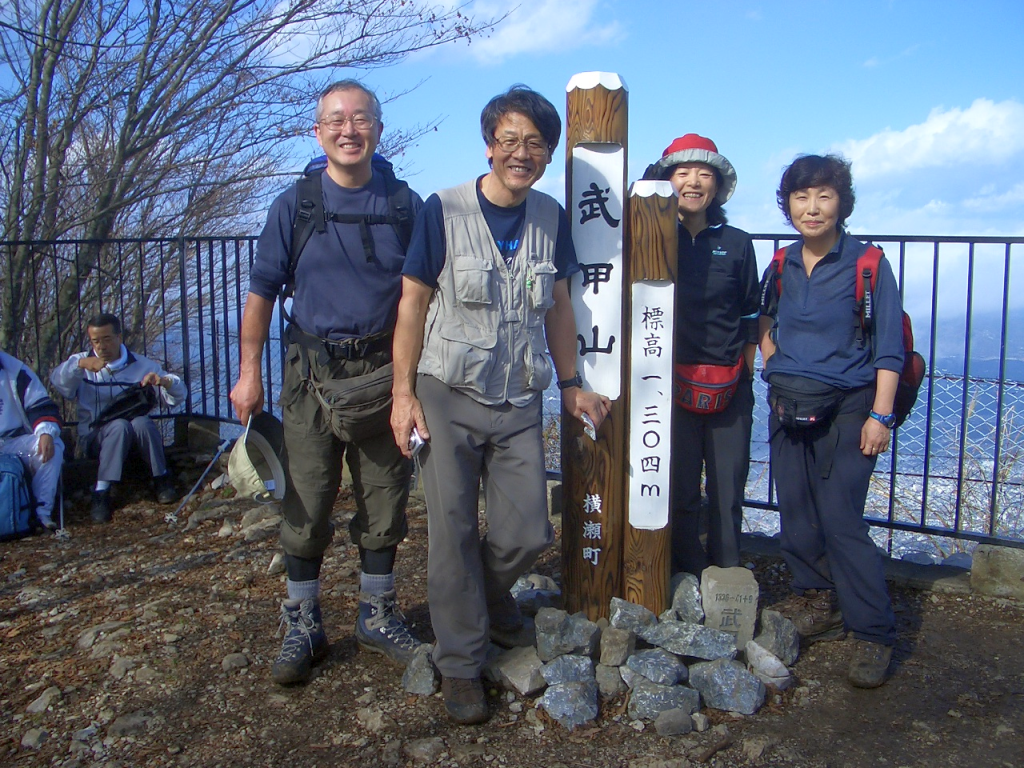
(700, 722)
(373, 719)
(34, 738)
(424, 750)
(276, 564)
(120, 667)
(45, 699)
(234, 661)
(128, 725)
(420, 676)
(673, 722)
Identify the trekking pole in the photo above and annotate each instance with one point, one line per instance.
(172, 517)
(61, 533)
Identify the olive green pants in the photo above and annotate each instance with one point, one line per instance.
(312, 461)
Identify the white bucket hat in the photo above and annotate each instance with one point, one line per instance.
(693, 148)
(254, 468)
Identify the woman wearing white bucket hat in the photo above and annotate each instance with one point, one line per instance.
(715, 336)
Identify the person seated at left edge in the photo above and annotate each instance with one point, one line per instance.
(94, 379)
(30, 430)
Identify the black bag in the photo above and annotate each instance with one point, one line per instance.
(134, 401)
(801, 403)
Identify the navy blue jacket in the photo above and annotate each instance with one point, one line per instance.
(817, 320)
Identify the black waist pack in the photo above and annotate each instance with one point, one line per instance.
(135, 400)
(801, 403)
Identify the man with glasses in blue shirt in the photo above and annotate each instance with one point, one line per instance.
(346, 290)
(484, 297)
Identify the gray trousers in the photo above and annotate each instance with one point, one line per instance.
(112, 442)
(502, 447)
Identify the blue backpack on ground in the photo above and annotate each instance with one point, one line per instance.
(17, 512)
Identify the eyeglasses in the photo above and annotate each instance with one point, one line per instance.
(360, 121)
(508, 144)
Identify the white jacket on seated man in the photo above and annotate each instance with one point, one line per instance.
(30, 430)
(94, 379)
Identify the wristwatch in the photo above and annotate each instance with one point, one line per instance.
(575, 381)
(887, 421)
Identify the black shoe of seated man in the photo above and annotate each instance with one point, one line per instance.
(100, 511)
(166, 493)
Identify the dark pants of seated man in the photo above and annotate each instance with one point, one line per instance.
(112, 442)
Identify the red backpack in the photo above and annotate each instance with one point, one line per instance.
(914, 366)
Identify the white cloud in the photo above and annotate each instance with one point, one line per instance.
(989, 199)
(538, 27)
(985, 133)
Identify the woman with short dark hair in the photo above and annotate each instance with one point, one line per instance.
(831, 389)
(715, 339)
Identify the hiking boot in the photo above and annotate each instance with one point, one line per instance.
(464, 699)
(509, 628)
(813, 614)
(381, 628)
(869, 667)
(48, 523)
(166, 493)
(305, 642)
(99, 511)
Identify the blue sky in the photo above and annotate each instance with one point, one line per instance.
(924, 96)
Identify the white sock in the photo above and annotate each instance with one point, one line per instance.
(303, 590)
(102, 485)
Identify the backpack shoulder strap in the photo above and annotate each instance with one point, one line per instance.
(309, 217)
(864, 288)
(771, 284)
(399, 202)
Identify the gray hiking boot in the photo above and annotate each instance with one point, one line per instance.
(305, 642)
(381, 628)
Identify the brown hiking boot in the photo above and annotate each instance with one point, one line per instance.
(869, 667)
(464, 699)
(813, 614)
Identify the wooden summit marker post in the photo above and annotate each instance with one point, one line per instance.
(593, 472)
(651, 239)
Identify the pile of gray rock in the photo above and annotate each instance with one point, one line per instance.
(701, 652)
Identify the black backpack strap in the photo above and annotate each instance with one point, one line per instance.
(309, 217)
(399, 204)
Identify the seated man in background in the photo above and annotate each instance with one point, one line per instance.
(97, 379)
(30, 430)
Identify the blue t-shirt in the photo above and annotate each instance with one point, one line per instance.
(428, 249)
(339, 293)
(817, 320)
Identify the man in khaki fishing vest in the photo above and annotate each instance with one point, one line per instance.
(484, 297)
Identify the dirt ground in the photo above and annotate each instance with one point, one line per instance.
(150, 687)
